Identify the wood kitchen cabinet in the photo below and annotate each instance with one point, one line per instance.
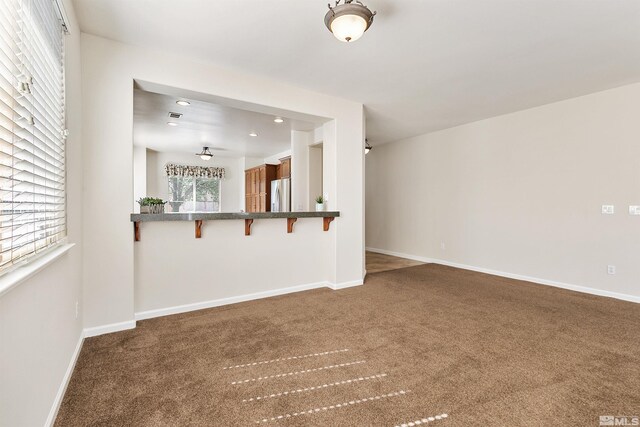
(257, 187)
(283, 170)
(285, 167)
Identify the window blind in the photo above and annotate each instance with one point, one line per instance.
(32, 134)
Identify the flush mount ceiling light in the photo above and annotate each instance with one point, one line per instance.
(348, 21)
(206, 154)
(278, 120)
(172, 123)
(183, 103)
(367, 147)
(253, 134)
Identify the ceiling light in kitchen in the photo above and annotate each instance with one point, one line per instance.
(278, 120)
(253, 134)
(183, 103)
(172, 123)
(205, 154)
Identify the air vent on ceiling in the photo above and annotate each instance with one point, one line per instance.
(175, 115)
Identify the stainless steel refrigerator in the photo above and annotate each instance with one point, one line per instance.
(281, 195)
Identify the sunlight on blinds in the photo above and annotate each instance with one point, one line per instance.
(32, 135)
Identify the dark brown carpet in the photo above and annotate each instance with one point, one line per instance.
(415, 343)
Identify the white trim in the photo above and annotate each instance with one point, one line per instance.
(62, 15)
(107, 329)
(343, 285)
(184, 308)
(576, 288)
(22, 272)
(400, 255)
(225, 301)
(53, 412)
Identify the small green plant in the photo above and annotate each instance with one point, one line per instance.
(151, 205)
(320, 199)
(150, 201)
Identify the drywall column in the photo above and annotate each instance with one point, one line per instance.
(329, 164)
(299, 169)
(107, 101)
(329, 177)
(314, 174)
(346, 152)
(139, 175)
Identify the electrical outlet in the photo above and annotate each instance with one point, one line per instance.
(443, 246)
(608, 209)
(611, 269)
(634, 210)
(77, 309)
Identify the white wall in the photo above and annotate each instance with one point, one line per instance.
(231, 187)
(329, 163)
(251, 162)
(172, 268)
(315, 174)
(300, 169)
(152, 175)
(39, 331)
(519, 193)
(139, 175)
(275, 159)
(109, 70)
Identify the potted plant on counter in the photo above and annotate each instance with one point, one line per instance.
(320, 204)
(151, 205)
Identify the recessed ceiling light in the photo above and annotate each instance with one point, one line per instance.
(183, 103)
(278, 120)
(253, 134)
(172, 123)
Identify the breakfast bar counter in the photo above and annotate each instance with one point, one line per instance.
(248, 217)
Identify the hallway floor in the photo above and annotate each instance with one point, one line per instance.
(380, 262)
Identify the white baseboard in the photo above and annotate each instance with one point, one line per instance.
(107, 329)
(241, 298)
(400, 255)
(571, 287)
(149, 314)
(53, 413)
(225, 301)
(343, 285)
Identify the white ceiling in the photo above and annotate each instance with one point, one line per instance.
(424, 64)
(222, 128)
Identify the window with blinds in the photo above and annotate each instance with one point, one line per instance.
(32, 134)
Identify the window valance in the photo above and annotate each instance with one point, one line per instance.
(195, 171)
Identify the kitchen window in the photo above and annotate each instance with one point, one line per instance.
(32, 130)
(194, 194)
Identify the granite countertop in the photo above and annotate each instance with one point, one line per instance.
(203, 216)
